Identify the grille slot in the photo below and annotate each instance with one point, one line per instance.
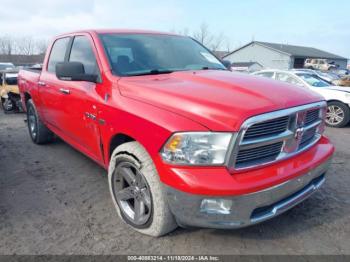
(260, 154)
(266, 128)
(308, 137)
(312, 116)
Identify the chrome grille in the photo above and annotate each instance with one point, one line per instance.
(307, 137)
(249, 156)
(274, 126)
(277, 135)
(312, 116)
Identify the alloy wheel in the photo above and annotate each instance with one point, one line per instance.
(335, 115)
(132, 193)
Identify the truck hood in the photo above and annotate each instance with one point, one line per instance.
(219, 100)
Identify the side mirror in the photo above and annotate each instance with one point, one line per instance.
(227, 64)
(73, 71)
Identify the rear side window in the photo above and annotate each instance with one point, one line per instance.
(58, 53)
(82, 52)
(266, 74)
(289, 79)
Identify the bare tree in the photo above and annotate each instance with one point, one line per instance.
(6, 45)
(25, 45)
(22, 45)
(203, 35)
(215, 42)
(41, 46)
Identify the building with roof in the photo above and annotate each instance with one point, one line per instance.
(281, 56)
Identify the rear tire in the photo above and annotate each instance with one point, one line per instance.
(158, 220)
(7, 105)
(38, 132)
(338, 114)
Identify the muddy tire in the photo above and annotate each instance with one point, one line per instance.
(38, 132)
(137, 193)
(338, 114)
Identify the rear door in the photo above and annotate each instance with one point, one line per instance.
(49, 84)
(80, 100)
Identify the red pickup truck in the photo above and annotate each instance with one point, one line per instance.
(185, 141)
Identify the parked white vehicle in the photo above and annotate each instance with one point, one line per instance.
(6, 66)
(338, 97)
(321, 64)
(329, 76)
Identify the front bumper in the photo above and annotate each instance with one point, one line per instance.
(247, 209)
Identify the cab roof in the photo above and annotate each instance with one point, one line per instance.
(118, 31)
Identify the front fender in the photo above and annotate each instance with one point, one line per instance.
(149, 125)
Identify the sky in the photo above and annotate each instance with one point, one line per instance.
(321, 24)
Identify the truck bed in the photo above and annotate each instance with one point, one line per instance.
(28, 83)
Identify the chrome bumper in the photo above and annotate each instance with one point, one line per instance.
(247, 209)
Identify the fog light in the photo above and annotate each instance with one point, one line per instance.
(216, 206)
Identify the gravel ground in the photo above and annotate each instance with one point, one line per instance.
(54, 200)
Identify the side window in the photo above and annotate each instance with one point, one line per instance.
(58, 52)
(281, 77)
(266, 74)
(289, 79)
(82, 52)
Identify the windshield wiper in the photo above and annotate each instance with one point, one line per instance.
(152, 72)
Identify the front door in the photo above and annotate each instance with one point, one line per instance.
(80, 101)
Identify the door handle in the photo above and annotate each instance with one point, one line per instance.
(41, 83)
(65, 91)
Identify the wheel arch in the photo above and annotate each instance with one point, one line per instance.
(336, 100)
(26, 97)
(117, 140)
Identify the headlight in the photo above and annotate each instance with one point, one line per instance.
(197, 148)
(322, 126)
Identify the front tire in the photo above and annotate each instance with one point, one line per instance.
(338, 114)
(38, 132)
(137, 193)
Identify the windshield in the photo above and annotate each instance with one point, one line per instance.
(313, 80)
(142, 54)
(329, 75)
